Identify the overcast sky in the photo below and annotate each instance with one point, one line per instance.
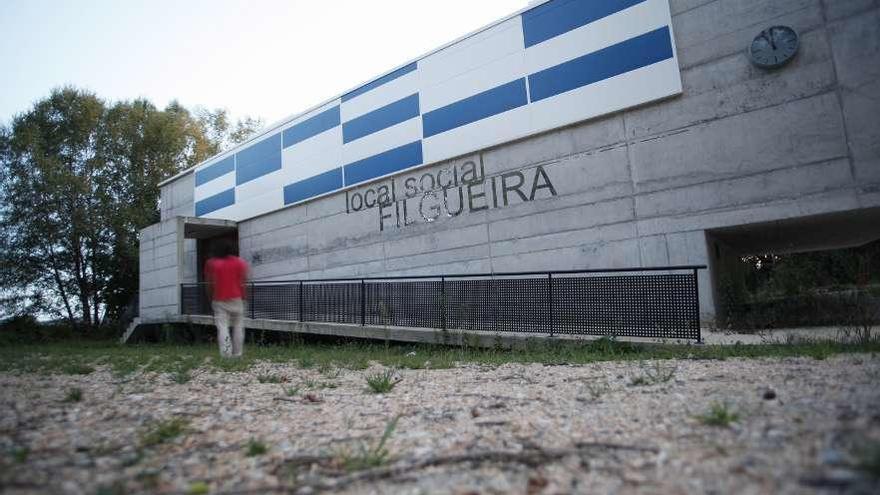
(264, 58)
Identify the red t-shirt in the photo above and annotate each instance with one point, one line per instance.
(227, 276)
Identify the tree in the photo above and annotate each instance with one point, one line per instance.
(78, 180)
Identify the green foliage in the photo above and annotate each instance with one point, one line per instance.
(719, 414)
(255, 448)
(73, 395)
(382, 382)
(78, 180)
(199, 488)
(163, 431)
(291, 391)
(366, 456)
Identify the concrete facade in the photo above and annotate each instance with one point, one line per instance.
(642, 187)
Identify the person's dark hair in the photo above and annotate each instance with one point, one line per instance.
(223, 248)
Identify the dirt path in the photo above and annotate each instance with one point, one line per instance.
(798, 426)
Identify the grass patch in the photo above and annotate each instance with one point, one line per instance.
(77, 357)
(164, 431)
(719, 414)
(366, 456)
(255, 448)
(73, 395)
(382, 382)
(291, 391)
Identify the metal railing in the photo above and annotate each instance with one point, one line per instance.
(655, 302)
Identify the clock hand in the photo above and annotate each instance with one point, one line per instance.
(769, 37)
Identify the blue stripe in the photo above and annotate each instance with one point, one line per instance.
(258, 160)
(560, 16)
(614, 60)
(216, 170)
(313, 186)
(486, 104)
(382, 80)
(215, 202)
(408, 155)
(324, 121)
(381, 118)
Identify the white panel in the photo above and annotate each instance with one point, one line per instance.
(633, 88)
(474, 52)
(310, 166)
(471, 83)
(636, 20)
(215, 186)
(325, 142)
(481, 134)
(231, 212)
(258, 186)
(311, 157)
(379, 97)
(258, 205)
(389, 138)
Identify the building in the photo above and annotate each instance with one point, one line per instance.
(574, 134)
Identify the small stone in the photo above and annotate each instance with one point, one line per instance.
(769, 394)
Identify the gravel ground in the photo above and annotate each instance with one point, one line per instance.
(618, 427)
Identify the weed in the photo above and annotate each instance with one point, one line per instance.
(255, 448)
(291, 391)
(181, 377)
(199, 488)
(719, 414)
(383, 381)
(597, 389)
(73, 395)
(77, 369)
(20, 454)
(310, 383)
(270, 379)
(329, 385)
(652, 375)
(163, 431)
(366, 456)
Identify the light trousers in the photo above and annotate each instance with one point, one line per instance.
(226, 313)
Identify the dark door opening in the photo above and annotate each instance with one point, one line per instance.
(205, 248)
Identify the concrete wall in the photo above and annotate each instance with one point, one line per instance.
(640, 187)
(177, 200)
(160, 269)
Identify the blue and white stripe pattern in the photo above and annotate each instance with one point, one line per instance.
(561, 62)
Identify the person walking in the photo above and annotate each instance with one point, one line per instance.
(226, 275)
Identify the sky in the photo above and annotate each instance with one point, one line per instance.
(262, 58)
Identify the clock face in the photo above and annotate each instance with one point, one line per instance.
(774, 47)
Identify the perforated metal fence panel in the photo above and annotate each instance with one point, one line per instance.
(660, 302)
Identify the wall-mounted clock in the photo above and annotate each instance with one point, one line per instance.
(774, 47)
